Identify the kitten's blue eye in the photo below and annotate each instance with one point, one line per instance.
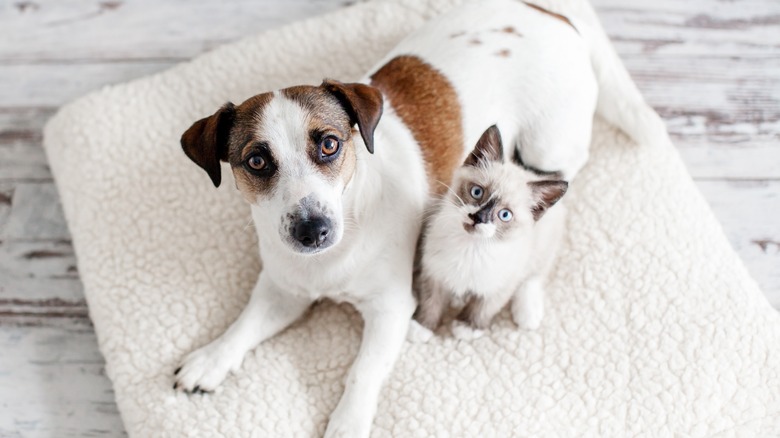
(505, 215)
(477, 192)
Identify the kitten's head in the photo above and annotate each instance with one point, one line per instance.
(494, 198)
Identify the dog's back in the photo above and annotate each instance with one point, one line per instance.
(517, 66)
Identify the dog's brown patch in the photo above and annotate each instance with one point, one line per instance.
(362, 103)
(251, 186)
(244, 141)
(428, 104)
(326, 116)
(509, 30)
(503, 53)
(552, 14)
(244, 130)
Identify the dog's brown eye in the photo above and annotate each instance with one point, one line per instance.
(329, 145)
(256, 162)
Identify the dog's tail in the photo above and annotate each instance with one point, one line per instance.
(619, 100)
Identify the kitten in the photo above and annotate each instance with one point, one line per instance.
(492, 239)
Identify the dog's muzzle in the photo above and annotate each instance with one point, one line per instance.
(313, 232)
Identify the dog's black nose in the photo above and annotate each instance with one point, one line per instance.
(312, 232)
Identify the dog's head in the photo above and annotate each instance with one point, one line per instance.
(293, 152)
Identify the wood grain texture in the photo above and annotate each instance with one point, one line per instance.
(40, 85)
(750, 214)
(53, 31)
(54, 384)
(710, 67)
(21, 153)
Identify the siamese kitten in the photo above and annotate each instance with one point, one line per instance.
(493, 238)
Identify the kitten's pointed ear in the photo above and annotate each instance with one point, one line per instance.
(363, 104)
(545, 194)
(488, 148)
(206, 141)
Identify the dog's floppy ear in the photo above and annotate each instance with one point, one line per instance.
(205, 142)
(363, 104)
(545, 194)
(488, 148)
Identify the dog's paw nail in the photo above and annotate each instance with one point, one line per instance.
(177, 371)
(196, 389)
(175, 385)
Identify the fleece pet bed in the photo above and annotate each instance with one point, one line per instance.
(653, 327)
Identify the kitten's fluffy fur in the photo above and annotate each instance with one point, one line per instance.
(492, 239)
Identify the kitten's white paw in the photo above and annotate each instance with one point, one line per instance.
(465, 332)
(528, 313)
(204, 369)
(418, 333)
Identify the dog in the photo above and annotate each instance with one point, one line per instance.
(338, 175)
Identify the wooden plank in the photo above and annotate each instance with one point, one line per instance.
(39, 279)
(51, 85)
(726, 100)
(749, 212)
(712, 72)
(689, 28)
(35, 214)
(49, 30)
(38, 272)
(731, 162)
(52, 30)
(54, 384)
(6, 194)
(21, 152)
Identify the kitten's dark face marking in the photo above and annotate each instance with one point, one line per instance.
(486, 213)
(495, 198)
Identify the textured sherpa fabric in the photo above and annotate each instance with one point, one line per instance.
(653, 327)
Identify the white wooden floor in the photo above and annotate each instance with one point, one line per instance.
(710, 67)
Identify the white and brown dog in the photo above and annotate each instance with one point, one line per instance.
(338, 212)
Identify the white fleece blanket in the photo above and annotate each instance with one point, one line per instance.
(654, 328)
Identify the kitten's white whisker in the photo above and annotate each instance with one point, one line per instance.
(248, 225)
(450, 190)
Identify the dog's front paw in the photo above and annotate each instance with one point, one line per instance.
(204, 369)
(418, 333)
(465, 331)
(528, 310)
(344, 424)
